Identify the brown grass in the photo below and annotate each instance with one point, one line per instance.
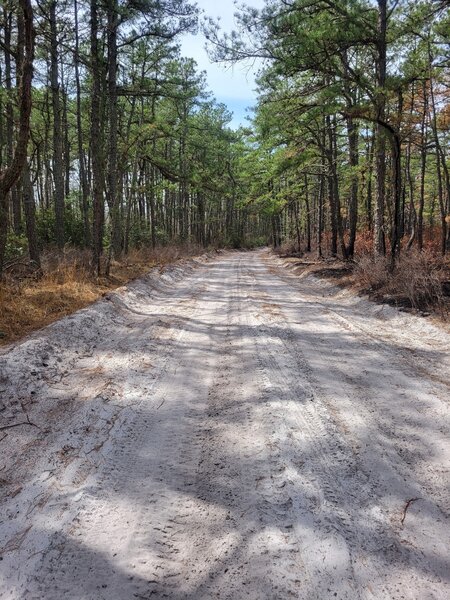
(28, 303)
(288, 248)
(416, 282)
(419, 282)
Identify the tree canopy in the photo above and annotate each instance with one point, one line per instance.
(127, 147)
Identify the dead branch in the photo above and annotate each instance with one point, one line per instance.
(407, 505)
(27, 422)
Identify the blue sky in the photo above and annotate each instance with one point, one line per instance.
(234, 86)
(239, 107)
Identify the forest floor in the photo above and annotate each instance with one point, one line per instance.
(226, 429)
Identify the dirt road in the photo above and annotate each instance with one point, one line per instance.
(227, 430)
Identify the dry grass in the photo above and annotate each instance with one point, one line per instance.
(419, 282)
(288, 248)
(416, 282)
(28, 303)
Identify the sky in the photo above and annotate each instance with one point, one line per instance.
(232, 85)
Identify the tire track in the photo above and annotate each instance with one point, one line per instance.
(251, 455)
(371, 538)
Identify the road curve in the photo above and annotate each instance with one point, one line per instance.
(227, 430)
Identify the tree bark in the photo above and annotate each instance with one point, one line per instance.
(81, 159)
(29, 208)
(423, 165)
(96, 143)
(113, 200)
(308, 216)
(353, 137)
(58, 178)
(335, 202)
(380, 144)
(12, 173)
(439, 165)
(8, 24)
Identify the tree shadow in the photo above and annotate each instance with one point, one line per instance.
(289, 511)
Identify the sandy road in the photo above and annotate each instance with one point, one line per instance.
(227, 430)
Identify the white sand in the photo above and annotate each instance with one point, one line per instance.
(227, 430)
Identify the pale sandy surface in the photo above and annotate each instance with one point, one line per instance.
(227, 430)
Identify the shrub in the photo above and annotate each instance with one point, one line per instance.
(420, 275)
(371, 274)
(46, 228)
(16, 246)
(287, 248)
(417, 277)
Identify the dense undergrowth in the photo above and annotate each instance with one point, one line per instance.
(418, 280)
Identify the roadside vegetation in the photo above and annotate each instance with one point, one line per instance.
(30, 300)
(419, 282)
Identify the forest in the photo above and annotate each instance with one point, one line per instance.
(224, 341)
(111, 141)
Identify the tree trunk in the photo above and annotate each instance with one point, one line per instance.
(29, 209)
(12, 173)
(380, 144)
(81, 159)
(423, 165)
(96, 143)
(397, 193)
(335, 203)
(58, 178)
(412, 215)
(15, 197)
(308, 216)
(297, 226)
(353, 136)
(438, 160)
(152, 207)
(113, 200)
(66, 140)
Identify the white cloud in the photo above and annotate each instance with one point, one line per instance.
(226, 82)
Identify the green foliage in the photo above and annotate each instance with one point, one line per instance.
(45, 226)
(180, 164)
(16, 246)
(234, 241)
(73, 227)
(140, 236)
